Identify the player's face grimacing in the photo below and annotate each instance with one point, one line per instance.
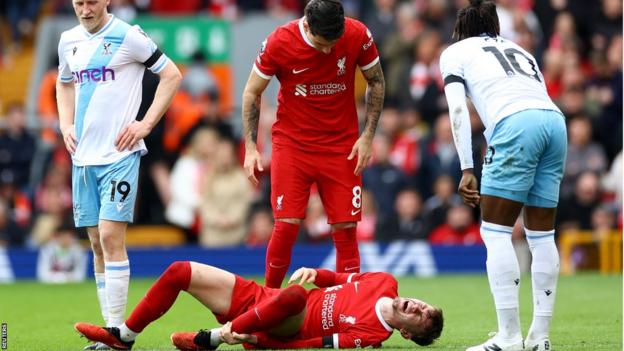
(413, 314)
(91, 13)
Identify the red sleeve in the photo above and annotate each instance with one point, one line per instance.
(334, 341)
(266, 65)
(325, 277)
(368, 56)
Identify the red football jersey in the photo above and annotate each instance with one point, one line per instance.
(316, 103)
(350, 312)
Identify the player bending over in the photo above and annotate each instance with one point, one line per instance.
(523, 167)
(345, 311)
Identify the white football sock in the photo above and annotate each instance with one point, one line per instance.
(101, 294)
(544, 274)
(504, 277)
(215, 337)
(117, 275)
(126, 333)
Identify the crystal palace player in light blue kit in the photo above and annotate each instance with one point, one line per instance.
(102, 62)
(523, 165)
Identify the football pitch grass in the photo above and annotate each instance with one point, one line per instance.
(588, 313)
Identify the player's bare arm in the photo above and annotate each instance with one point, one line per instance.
(170, 78)
(251, 116)
(65, 95)
(374, 103)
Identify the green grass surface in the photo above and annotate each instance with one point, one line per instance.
(588, 314)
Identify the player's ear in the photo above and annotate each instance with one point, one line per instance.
(405, 334)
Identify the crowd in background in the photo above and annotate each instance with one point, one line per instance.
(192, 178)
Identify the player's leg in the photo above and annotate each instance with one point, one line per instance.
(341, 193)
(86, 208)
(211, 286)
(290, 190)
(508, 172)
(539, 221)
(117, 185)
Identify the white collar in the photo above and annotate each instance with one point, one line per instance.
(303, 33)
(378, 312)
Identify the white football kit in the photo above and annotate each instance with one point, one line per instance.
(107, 70)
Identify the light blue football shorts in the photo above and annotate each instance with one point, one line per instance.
(105, 192)
(525, 158)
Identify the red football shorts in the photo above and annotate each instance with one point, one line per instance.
(245, 295)
(293, 172)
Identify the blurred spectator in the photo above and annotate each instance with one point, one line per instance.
(124, 9)
(21, 15)
(225, 200)
(381, 22)
(408, 223)
(441, 16)
(395, 53)
(315, 227)
(62, 259)
(53, 202)
(610, 121)
(260, 227)
(459, 228)
(426, 86)
(11, 234)
(575, 211)
(583, 154)
(382, 179)
(17, 146)
(439, 156)
(444, 197)
(187, 177)
(19, 210)
(175, 8)
(607, 24)
(198, 80)
(405, 148)
(365, 230)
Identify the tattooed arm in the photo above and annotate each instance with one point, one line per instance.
(374, 103)
(251, 116)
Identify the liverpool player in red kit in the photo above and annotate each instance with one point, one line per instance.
(315, 137)
(348, 310)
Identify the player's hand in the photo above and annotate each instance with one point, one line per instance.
(303, 275)
(245, 338)
(253, 160)
(131, 135)
(69, 138)
(361, 148)
(468, 188)
(227, 335)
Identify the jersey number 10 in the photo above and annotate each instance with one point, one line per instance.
(510, 61)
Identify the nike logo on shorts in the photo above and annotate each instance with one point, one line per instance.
(354, 212)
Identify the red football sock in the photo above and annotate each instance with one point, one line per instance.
(347, 253)
(270, 313)
(160, 296)
(279, 251)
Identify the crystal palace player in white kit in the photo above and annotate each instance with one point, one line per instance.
(102, 62)
(523, 166)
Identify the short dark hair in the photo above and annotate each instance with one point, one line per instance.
(479, 17)
(325, 18)
(434, 331)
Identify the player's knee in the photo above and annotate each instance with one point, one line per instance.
(179, 272)
(111, 242)
(96, 247)
(294, 298)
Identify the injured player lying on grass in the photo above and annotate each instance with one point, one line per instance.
(345, 311)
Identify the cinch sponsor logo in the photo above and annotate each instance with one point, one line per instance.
(94, 75)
